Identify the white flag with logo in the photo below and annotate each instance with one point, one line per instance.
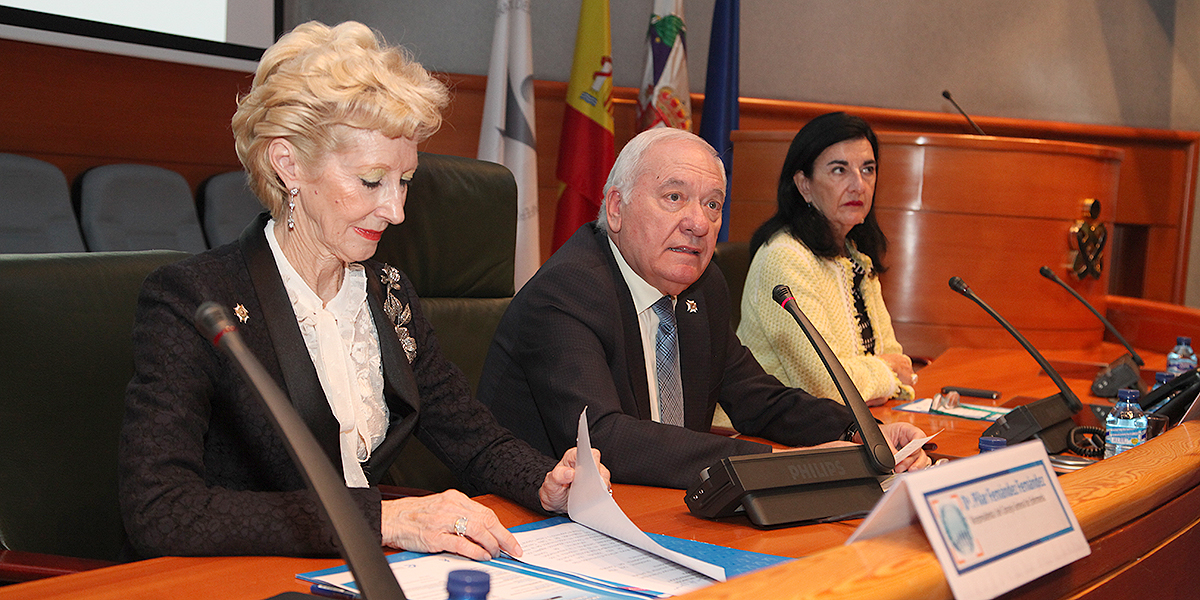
(663, 99)
(508, 134)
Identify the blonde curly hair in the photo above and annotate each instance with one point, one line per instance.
(316, 81)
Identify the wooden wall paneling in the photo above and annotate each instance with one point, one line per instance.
(755, 179)
(1150, 324)
(79, 109)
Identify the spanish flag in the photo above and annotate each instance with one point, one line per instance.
(585, 151)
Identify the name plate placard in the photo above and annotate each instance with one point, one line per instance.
(995, 521)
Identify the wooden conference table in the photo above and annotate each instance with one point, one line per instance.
(1139, 510)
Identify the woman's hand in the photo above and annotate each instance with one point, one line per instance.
(901, 365)
(556, 487)
(429, 524)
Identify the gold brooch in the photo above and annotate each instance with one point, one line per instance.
(243, 315)
(691, 305)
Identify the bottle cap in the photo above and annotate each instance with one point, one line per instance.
(1128, 395)
(468, 582)
(1163, 377)
(1183, 340)
(988, 443)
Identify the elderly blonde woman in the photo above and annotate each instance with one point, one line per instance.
(825, 244)
(328, 134)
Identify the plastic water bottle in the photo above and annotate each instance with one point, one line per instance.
(1125, 425)
(468, 584)
(989, 443)
(1181, 358)
(1160, 379)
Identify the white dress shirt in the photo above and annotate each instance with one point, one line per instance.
(644, 297)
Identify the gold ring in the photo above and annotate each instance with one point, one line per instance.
(460, 527)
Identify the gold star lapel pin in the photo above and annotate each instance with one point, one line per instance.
(691, 305)
(243, 315)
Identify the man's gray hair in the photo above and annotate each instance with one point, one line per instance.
(631, 161)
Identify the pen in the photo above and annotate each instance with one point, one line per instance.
(329, 591)
(972, 392)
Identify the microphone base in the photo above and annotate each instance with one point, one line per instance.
(814, 503)
(789, 488)
(1048, 419)
(1121, 373)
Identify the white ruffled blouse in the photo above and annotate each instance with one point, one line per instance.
(344, 348)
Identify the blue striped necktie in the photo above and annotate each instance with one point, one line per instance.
(666, 351)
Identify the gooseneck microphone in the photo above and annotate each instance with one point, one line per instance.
(1049, 274)
(946, 95)
(872, 437)
(1048, 419)
(958, 285)
(358, 545)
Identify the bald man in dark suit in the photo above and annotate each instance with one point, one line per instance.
(594, 328)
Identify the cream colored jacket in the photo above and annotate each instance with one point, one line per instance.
(822, 291)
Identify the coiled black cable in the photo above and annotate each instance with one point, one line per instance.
(1093, 436)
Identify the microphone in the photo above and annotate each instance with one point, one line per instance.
(1120, 373)
(1048, 419)
(1048, 274)
(357, 543)
(873, 439)
(801, 486)
(946, 95)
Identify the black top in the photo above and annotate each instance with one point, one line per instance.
(202, 471)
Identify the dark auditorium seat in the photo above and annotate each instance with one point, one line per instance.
(734, 260)
(138, 207)
(66, 356)
(456, 244)
(35, 208)
(226, 205)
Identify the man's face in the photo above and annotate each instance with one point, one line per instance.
(668, 227)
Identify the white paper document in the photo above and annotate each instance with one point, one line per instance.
(424, 578)
(575, 549)
(590, 504)
(996, 520)
(913, 446)
(975, 412)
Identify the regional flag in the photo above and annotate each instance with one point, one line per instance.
(663, 99)
(585, 151)
(720, 114)
(507, 136)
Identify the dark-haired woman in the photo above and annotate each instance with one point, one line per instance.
(825, 244)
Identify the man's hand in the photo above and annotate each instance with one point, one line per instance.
(556, 487)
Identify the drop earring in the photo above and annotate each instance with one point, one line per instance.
(292, 208)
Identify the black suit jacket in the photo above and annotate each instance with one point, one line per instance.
(570, 339)
(202, 470)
